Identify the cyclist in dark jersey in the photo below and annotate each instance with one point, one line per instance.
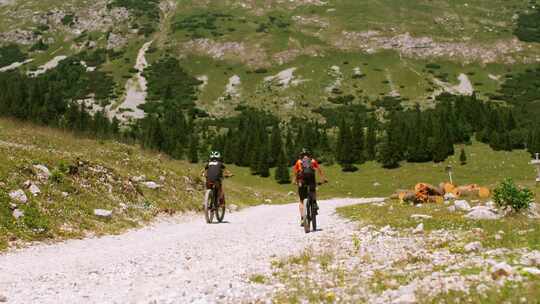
(304, 172)
(214, 171)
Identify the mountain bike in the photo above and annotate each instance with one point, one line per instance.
(212, 205)
(311, 210)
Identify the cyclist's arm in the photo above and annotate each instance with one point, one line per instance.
(320, 171)
(321, 174)
(295, 173)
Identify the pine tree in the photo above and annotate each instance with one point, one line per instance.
(344, 148)
(371, 140)
(390, 149)
(282, 171)
(358, 142)
(276, 145)
(264, 164)
(463, 157)
(194, 148)
(533, 145)
(417, 142)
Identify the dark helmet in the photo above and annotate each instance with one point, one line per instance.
(305, 152)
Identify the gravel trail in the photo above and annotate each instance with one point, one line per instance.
(177, 261)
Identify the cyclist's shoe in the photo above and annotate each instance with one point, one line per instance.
(316, 208)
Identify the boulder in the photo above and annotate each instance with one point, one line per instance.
(450, 196)
(462, 205)
(138, 179)
(151, 185)
(18, 196)
(408, 298)
(43, 172)
(482, 213)
(34, 189)
(501, 270)
(532, 270)
(103, 213)
(472, 247)
(419, 229)
(17, 213)
(531, 259)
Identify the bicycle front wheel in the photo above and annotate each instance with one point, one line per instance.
(208, 206)
(220, 211)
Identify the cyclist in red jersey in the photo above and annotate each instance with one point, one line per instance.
(304, 172)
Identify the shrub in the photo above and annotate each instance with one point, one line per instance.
(34, 219)
(509, 196)
(57, 176)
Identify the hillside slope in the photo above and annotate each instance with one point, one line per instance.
(83, 175)
(281, 55)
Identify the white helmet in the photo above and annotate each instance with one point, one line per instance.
(215, 155)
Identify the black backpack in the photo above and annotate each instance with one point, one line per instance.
(308, 172)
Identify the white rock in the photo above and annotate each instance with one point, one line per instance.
(291, 193)
(65, 194)
(103, 213)
(34, 190)
(531, 259)
(232, 207)
(151, 185)
(491, 205)
(462, 205)
(474, 246)
(408, 298)
(421, 216)
(18, 196)
(482, 288)
(451, 208)
(138, 179)
(376, 184)
(43, 172)
(419, 229)
(17, 213)
(450, 196)
(532, 270)
(500, 270)
(482, 213)
(267, 201)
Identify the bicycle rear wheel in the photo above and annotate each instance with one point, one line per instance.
(208, 206)
(306, 215)
(313, 215)
(220, 211)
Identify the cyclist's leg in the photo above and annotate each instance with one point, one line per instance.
(313, 195)
(302, 193)
(221, 193)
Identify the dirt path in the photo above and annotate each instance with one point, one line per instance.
(169, 262)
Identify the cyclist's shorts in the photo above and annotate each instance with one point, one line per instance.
(210, 182)
(304, 190)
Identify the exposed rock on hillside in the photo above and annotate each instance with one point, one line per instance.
(425, 47)
(251, 55)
